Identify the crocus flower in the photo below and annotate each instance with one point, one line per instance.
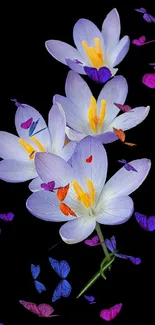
(18, 152)
(86, 116)
(97, 52)
(83, 198)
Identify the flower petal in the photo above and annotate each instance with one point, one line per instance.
(23, 113)
(10, 147)
(111, 30)
(120, 51)
(115, 211)
(53, 168)
(115, 91)
(75, 66)
(107, 137)
(68, 150)
(85, 30)
(16, 171)
(57, 125)
(45, 205)
(79, 93)
(35, 185)
(96, 170)
(74, 135)
(77, 230)
(73, 118)
(60, 51)
(129, 119)
(125, 182)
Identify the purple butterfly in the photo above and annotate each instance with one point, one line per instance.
(127, 166)
(100, 76)
(27, 124)
(7, 216)
(50, 186)
(91, 299)
(147, 17)
(147, 223)
(111, 244)
(94, 241)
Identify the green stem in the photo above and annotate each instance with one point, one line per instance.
(93, 279)
(101, 238)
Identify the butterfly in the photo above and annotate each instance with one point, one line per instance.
(35, 271)
(50, 186)
(123, 108)
(147, 17)
(100, 76)
(111, 244)
(127, 166)
(141, 41)
(91, 299)
(42, 310)
(149, 80)
(94, 241)
(7, 216)
(62, 269)
(147, 223)
(121, 135)
(111, 313)
(31, 125)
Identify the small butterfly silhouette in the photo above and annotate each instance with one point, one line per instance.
(35, 271)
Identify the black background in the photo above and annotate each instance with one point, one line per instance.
(33, 77)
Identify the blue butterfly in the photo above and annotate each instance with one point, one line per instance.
(62, 269)
(32, 127)
(35, 271)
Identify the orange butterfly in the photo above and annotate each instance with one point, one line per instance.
(121, 135)
(62, 192)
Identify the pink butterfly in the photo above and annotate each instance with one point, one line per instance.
(111, 313)
(42, 310)
(7, 216)
(141, 41)
(25, 125)
(124, 108)
(94, 241)
(149, 80)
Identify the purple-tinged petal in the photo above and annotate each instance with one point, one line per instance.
(77, 230)
(124, 183)
(10, 147)
(151, 223)
(115, 210)
(25, 112)
(111, 30)
(85, 30)
(118, 54)
(51, 167)
(107, 137)
(96, 170)
(76, 66)
(45, 205)
(100, 76)
(35, 185)
(17, 171)
(60, 51)
(74, 135)
(68, 150)
(57, 125)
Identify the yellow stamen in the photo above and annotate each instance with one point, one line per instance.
(39, 145)
(87, 199)
(94, 54)
(91, 191)
(102, 112)
(96, 122)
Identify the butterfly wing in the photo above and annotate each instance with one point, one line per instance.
(57, 292)
(153, 18)
(64, 269)
(92, 73)
(92, 241)
(39, 286)
(65, 288)
(46, 310)
(25, 125)
(142, 10)
(149, 80)
(142, 39)
(151, 223)
(122, 161)
(7, 216)
(130, 167)
(55, 265)
(89, 298)
(111, 313)
(35, 271)
(104, 74)
(30, 306)
(111, 243)
(141, 219)
(120, 134)
(130, 144)
(32, 127)
(135, 260)
(147, 18)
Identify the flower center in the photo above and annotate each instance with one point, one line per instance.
(96, 121)
(88, 198)
(95, 53)
(29, 149)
